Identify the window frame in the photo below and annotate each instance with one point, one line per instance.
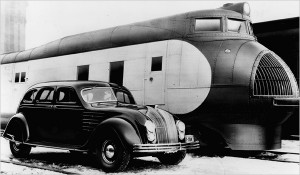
(222, 23)
(33, 100)
(129, 95)
(38, 95)
(19, 80)
(155, 66)
(56, 96)
(237, 19)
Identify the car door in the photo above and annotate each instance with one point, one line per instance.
(42, 118)
(68, 111)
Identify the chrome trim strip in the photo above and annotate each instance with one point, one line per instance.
(168, 147)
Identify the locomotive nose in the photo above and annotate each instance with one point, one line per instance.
(266, 73)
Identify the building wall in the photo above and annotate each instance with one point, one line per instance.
(12, 23)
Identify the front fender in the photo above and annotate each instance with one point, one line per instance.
(17, 128)
(124, 130)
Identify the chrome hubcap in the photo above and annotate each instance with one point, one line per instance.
(109, 151)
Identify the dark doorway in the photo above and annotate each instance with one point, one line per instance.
(83, 72)
(116, 72)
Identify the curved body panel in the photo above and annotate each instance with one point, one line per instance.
(17, 123)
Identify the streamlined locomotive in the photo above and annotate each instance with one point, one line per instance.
(204, 66)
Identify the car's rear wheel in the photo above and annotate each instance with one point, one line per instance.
(111, 154)
(19, 150)
(172, 158)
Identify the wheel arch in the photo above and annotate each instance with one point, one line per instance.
(10, 133)
(123, 129)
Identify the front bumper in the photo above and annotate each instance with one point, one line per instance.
(164, 148)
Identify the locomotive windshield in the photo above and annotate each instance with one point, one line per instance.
(237, 26)
(208, 25)
(230, 25)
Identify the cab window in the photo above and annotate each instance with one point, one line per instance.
(66, 95)
(236, 26)
(45, 95)
(29, 96)
(205, 25)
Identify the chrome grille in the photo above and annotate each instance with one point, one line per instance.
(271, 78)
(166, 131)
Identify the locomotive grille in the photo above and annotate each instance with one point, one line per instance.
(166, 131)
(271, 78)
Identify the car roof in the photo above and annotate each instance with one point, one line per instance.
(78, 84)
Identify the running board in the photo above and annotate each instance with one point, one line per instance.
(56, 146)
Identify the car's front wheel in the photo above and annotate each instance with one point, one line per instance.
(111, 154)
(172, 158)
(19, 150)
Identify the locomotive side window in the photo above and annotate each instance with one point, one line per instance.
(83, 72)
(208, 25)
(156, 64)
(20, 77)
(23, 75)
(17, 77)
(236, 26)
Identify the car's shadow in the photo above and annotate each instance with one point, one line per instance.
(80, 161)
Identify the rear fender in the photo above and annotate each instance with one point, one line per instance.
(122, 128)
(17, 129)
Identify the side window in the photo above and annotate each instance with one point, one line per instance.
(237, 26)
(124, 97)
(156, 64)
(45, 95)
(83, 72)
(206, 25)
(17, 77)
(66, 95)
(20, 77)
(23, 75)
(29, 96)
(120, 96)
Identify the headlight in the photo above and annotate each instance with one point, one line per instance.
(151, 135)
(181, 129)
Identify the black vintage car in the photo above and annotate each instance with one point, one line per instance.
(96, 117)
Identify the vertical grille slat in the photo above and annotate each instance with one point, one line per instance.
(271, 78)
(166, 130)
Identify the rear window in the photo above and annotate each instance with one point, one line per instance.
(29, 96)
(205, 25)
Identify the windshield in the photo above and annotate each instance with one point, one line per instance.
(98, 94)
(237, 26)
(205, 25)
